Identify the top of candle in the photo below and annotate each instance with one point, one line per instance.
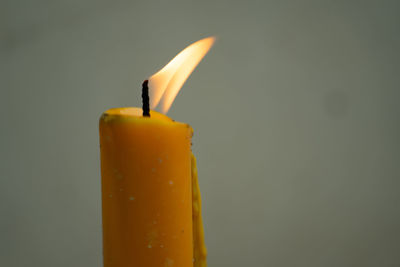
(133, 116)
(133, 113)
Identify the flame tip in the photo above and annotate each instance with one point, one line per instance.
(166, 83)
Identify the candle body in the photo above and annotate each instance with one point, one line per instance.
(146, 169)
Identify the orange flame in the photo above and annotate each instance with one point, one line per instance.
(165, 84)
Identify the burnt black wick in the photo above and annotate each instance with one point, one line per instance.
(145, 99)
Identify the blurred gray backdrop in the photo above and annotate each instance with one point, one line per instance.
(295, 112)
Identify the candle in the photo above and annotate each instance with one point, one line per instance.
(150, 196)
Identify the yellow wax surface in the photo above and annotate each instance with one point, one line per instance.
(150, 195)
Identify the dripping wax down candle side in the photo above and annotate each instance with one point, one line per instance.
(150, 195)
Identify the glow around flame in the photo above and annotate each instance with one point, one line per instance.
(165, 84)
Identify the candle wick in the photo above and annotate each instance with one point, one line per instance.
(145, 99)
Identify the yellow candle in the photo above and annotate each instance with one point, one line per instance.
(148, 207)
(150, 195)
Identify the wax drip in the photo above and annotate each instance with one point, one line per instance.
(145, 99)
(199, 247)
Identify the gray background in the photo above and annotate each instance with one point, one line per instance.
(295, 112)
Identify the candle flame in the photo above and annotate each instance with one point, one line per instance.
(165, 84)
